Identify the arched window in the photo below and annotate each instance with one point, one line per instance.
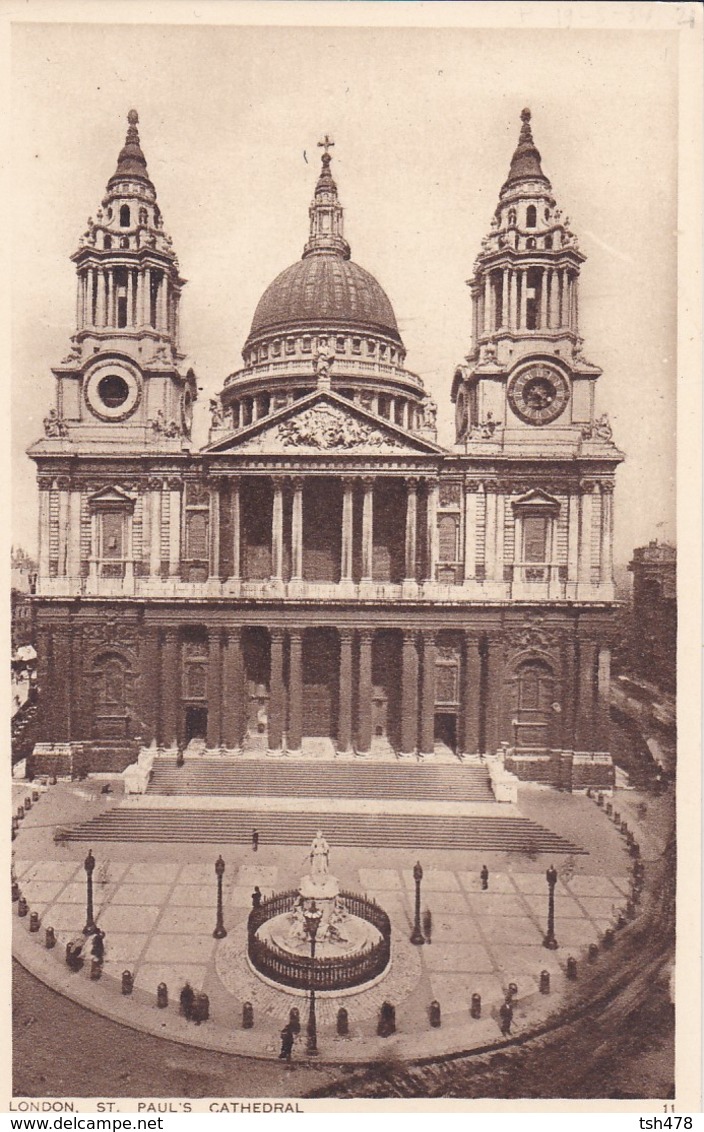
(530, 242)
(531, 216)
(125, 216)
(547, 213)
(548, 242)
(107, 242)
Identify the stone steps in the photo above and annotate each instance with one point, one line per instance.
(489, 834)
(228, 777)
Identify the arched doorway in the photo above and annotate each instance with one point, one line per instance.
(534, 711)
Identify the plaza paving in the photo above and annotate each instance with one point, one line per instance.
(156, 904)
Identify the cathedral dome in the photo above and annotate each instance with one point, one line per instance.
(324, 290)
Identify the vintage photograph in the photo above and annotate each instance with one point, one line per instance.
(344, 555)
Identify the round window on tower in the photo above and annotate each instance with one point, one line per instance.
(113, 390)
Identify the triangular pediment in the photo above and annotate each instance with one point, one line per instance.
(536, 500)
(324, 422)
(110, 497)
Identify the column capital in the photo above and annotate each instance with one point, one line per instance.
(410, 638)
(472, 637)
(368, 483)
(412, 483)
(348, 482)
(155, 483)
(472, 486)
(607, 487)
(234, 482)
(345, 635)
(172, 483)
(428, 636)
(214, 633)
(586, 487)
(295, 635)
(277, 482)
(233, 633)
(296, 482)
(171, 634)
(63, 483)
(276, 635)
(366, 636)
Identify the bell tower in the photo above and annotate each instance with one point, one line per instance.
(526, 368)
(121, 383)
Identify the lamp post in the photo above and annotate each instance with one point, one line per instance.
(89, 865)
(312, 916)
(550, 942)
(220, 931)
(417, 936)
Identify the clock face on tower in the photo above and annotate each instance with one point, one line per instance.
(538, 394)
(112, 390)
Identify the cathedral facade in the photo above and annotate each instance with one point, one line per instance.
(323, 575)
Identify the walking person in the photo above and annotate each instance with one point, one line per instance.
(484, 876)
(257, 897)
(98, 946)
(187, 999)
(286, 1044)
(255, 840)
(506, 1016)
(428, 925)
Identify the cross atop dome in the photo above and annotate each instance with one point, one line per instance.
(326, 144)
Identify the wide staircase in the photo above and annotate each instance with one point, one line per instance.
(283, 778)
(360, 830)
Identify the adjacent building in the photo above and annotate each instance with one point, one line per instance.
(324, 575)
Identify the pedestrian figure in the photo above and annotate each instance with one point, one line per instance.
(187, 998)
(286, 1044)
(255, 840)
(506, 1016)
(428, 925)
(484, 874)
(256, 897)
(179, 756)
(98, 947)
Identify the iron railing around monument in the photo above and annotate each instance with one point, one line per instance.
(324, 973)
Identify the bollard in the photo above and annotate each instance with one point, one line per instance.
(475, 1009)
(27, 805)
(635, 850)
(49, 938)
(343, 1022)
(162, 996)
(127, 982)
(617, 817)
(294, 1020)
(20, 813)
(34, 921)
(609, 939)
(96, 969)
(387, 1020)
(589, 792)
(247, 1016)
(609, 809)
(201, 1008)
(511, 993)
(545, 982)
(15, 891)
(572, 968)
(15, 824)
(631, 910)
(35, 795)
(434, 1014)
(593, 952)
(53, 780)
(600, 800)
(22, 907)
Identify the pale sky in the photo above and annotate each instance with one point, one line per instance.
(425, 122)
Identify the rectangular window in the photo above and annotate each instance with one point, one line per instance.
(111, 529)
(197, 535)
(535, 538)
(447, 538)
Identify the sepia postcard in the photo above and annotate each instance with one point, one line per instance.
(354, 380)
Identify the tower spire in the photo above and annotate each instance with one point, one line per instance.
(131, 161)
(326, 212)
(525, 163)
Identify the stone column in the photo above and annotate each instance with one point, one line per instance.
(344, 738)
(569, 691)
(487, 303)
(44, 534)
(523, 318)
(129, 551)
(470, 529)
(573, 536)
(603, 700)
(347, 556)
(214, 687)
(295, 691)
(499, 560)
(276, 689)
(368, 529)
(471, 688)
(155, 494)
(140, 298)
(585, 739)
(585, 533)
(150, 683)
(364, 731)
(110, 313)
(61, 679)
(63, 484)
(432, 529)
(163, 302)
(214, 525)
(79, 302)
(544, 299)
(427, 711)
(297, 531)
(606, 572)
(233, 690)
(409, 694)
(490, 531)
(411, 528)
(277, 533)
(494, 694)
(174, 528)
(235, 516)
(130, 298)
(513, 300)
(504, 299)
(170, 728)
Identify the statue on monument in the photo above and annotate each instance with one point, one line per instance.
(319, 854)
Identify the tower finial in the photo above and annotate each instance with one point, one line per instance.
(131, 161)
(132, 117)
(525, 163)
(326, 143)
